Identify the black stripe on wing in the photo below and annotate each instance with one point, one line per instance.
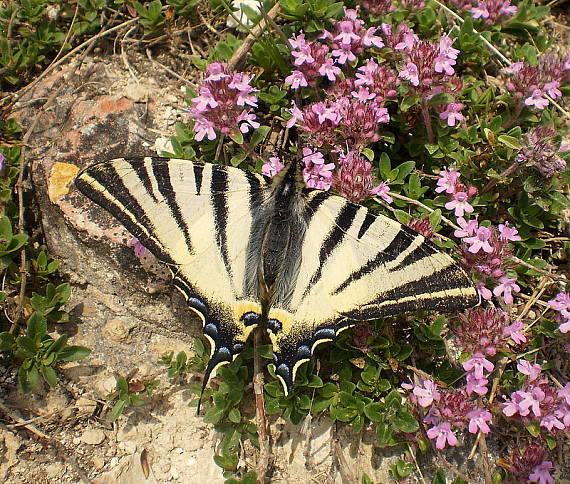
(399, 243)
(343, 223)
(133, 217)
(141, 170)
(161, 172)
(219, 187)
(369, 219)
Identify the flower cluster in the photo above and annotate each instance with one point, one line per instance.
(379, 7)
(316, 173)
(561, 303)
(312, 59)
(531, 84)
(350, 37)
(527, 462)
(428, 65)
(353, 178)
(460, 194)
(491, 11)
(541, 152)
(422, 226)
(483, 332)
(448, 410)
(224, 103)
(485, 249)
(487, 330)
(333, 121)
(539, 401)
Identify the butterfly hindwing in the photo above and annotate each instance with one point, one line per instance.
(192, 216)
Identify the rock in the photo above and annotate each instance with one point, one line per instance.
(118, 329)
(98, 462)
(93, 437)
(9, 445)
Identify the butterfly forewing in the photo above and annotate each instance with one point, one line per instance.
(197, 218)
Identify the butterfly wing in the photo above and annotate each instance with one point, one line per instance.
(200, 219)
(358, 265)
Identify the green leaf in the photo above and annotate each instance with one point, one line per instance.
(393, 400)
(259, 135)
(265, 351)
(37, 327)
(122, 385)
(199, 347)
(49, 375)
(237, 137)
(27, 345)
(235, 415)
(7, 341)
(73, 353)
(227, 462)
(404, 422)
(117, 410)
(385, 435)
(402, 217)
(509, 141)
(214, 415)
(375, 411)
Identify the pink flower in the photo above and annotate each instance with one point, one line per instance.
(506, 287)
(296, 79)
(426, 394)
(220, 105)
(452, 114)
(515, 333)
(477, 364)
(561, 302)
(528, 369)
(480, 241)
(443, 435)
(247, 120)
(272, 166)
(478, 419)
(509, 233)
(483, 291)
(476, 385)
(317, 174)
(537, 100)
(203, 127)
(459, 204)
(468, 228)
(382, 191)
(410, 73)
(552, 90)
(541, 473)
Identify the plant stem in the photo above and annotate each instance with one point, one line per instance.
(260, 416)
(427, 120)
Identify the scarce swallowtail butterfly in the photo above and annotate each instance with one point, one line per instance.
(246, 250)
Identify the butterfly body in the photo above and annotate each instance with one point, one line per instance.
(246, 251)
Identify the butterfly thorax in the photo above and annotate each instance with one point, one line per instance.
(278, 256)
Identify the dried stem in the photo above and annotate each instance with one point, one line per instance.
(243, 49)
(260, 416)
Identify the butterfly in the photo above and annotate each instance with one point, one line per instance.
(251, 251)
